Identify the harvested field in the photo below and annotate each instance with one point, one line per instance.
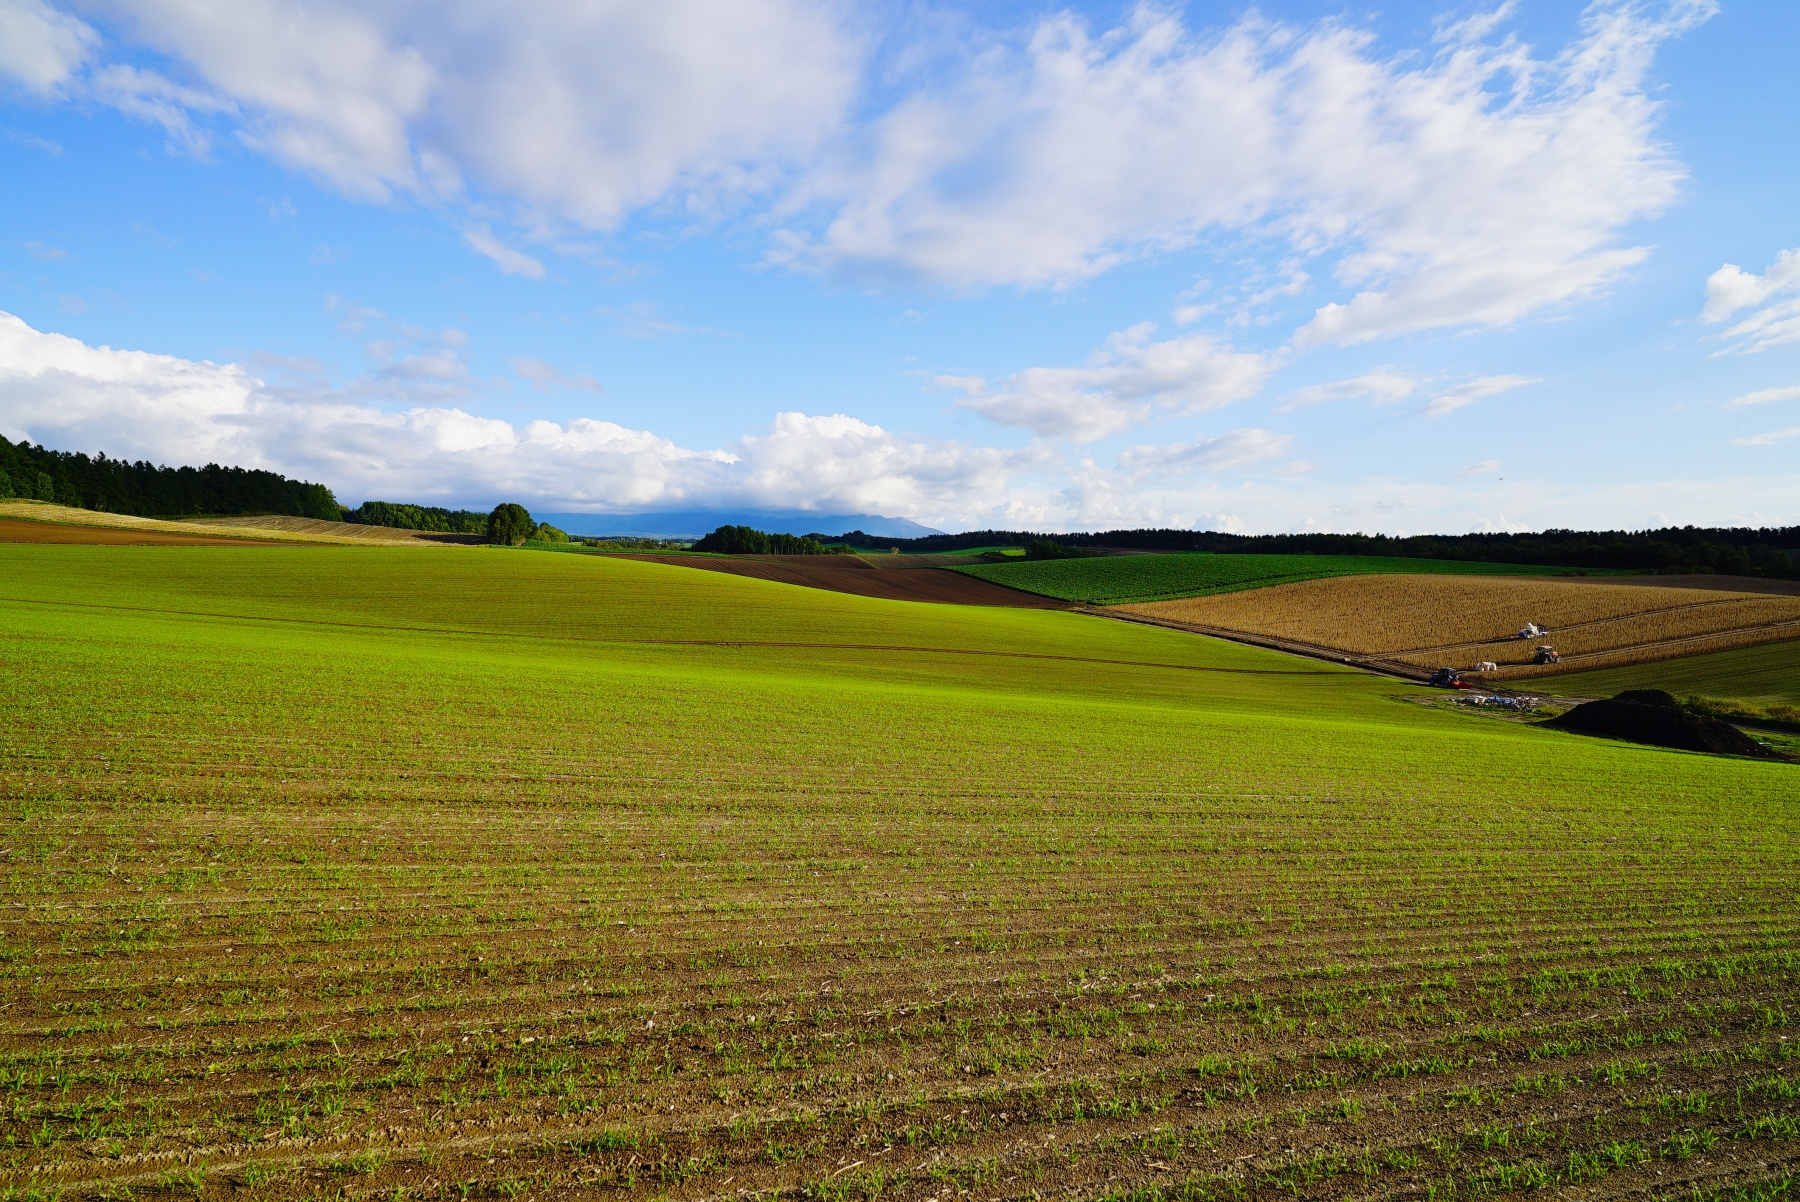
(1134, 578)
(851, 574)
(445, 877)
(17, 530)
(1717, 584)
(1426, 621)
(230, 531)
(379, 534)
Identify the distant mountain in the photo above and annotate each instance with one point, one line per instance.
(695, 523)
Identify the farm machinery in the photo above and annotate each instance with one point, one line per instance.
(1448, 678)
(1546, 655)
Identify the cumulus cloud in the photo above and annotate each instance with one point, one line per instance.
(1730, 290)
(40, 48)
(1386, 387)
(1231, 450)
(1450, 400)
(134, 404)
(580, 109)
(1472, 186)
(1128, 381)
(1763, 396)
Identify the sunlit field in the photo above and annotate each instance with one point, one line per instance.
(363, 873)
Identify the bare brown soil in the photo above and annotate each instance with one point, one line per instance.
(849, 574)
(1418, 622)
(15, 530)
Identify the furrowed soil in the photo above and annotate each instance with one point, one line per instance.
(1424, 621)
(356, 873)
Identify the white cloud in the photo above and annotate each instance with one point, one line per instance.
(513, 262)
(1386, 386)
(1772, 438)
(1228, 451)
(160, 101)
(41, 48)
(1456, 398)
(547, 376)
(1129, 380)
(1763, 396)
(1731, 289)
(1486, 467)
(582, 110)
(1475, 185)
(133, 404)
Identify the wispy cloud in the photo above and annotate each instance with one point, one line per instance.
(513, 262)
(1730, 290)
(1385, 387)
(1772, 438)
(1486, 467)
(1764, 396)
(1450, 400)
(547, 376)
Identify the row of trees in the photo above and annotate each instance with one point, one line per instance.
(1738, 551)
(418, 517)
(746, 540)
(146, 490)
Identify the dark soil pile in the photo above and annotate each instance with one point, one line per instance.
(1653, 716)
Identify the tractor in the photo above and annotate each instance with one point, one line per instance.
(1448, 678)
(1546, 655)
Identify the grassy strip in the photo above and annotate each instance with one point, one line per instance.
(1125, 579)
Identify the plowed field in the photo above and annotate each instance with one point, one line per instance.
(1425, 621)
(406, 876)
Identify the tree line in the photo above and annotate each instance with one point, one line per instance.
(1737, 551)
(145, 490)
(418, 517)
(745, 540)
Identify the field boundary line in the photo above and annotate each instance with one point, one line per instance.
(489, 634)
(1376, 664)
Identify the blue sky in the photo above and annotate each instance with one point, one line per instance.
(1299, 266)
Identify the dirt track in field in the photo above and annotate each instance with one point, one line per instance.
(12, 530)
(847, 574)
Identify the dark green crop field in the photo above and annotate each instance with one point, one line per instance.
(1126, 579)
(367, 873)
(1766, 675)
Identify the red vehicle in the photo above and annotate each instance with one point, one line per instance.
(1448, 678)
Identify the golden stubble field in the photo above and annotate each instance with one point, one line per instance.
(1426, 621)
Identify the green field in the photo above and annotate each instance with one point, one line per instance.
(1765, 675)
(1125, 579)
(356, 873)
